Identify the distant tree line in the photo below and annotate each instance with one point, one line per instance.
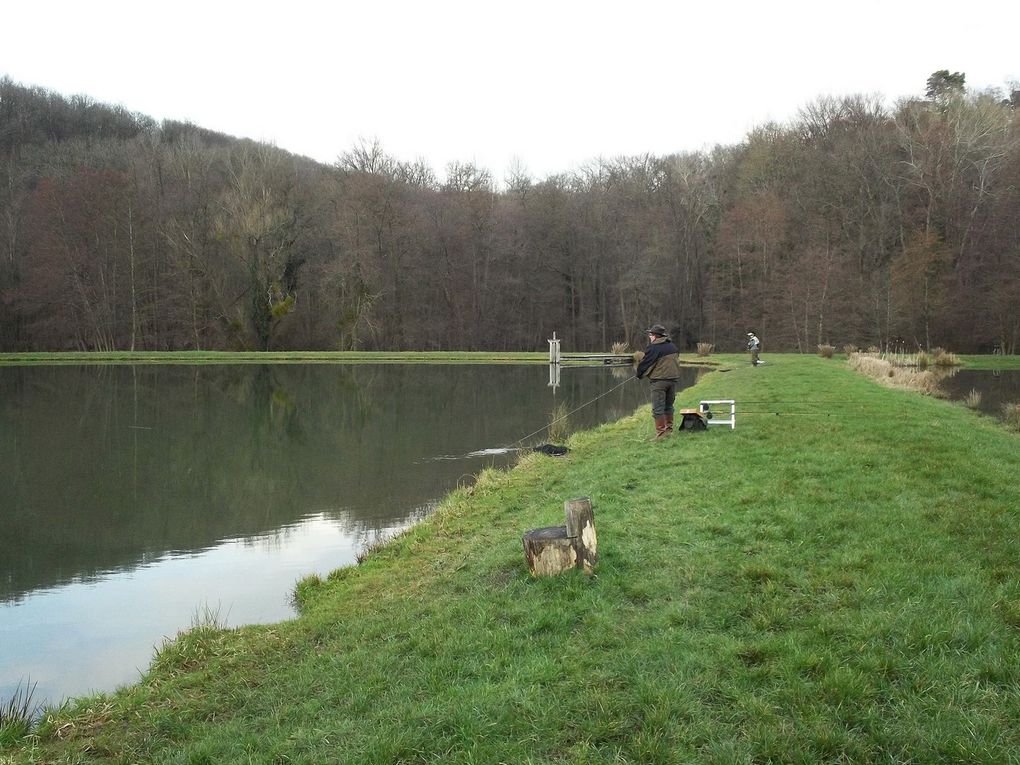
(854, 223)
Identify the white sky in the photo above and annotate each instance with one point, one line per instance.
(549, 83)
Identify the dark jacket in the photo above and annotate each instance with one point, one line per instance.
(661, 360)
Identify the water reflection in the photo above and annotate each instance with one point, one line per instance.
(111, 468)
(996, 388)
(133, 495)
(48, 635)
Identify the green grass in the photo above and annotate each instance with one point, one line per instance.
(991, 362)
(837, 583)
(17, 714)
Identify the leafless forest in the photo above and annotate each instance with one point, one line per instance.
(854, 223)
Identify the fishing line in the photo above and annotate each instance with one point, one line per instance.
(823, 414)
(861, 405)
(839, 402)
(578, 409)
(803, 414)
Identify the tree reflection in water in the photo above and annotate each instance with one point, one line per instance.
(127, 487)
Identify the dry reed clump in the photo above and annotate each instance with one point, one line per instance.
(849, 348)
(558, 430)
(826, 351)
(944, 358)
(705, 349)
(1011, 414)
(620, 349)
(972, 399)
(903, 359)
(937, 357)
(895, 376)
(874, 349)
(870, 366)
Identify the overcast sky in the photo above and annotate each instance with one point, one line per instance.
(549, 84)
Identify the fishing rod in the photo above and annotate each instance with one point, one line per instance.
(518, 444)
(827, 402)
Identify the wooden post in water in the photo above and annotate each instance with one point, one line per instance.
(556, 549)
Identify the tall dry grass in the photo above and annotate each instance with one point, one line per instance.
(904, 359)
(558, 430)
(942, 358)
(938, 357)
(705, 349)
(826, 351)
(1011, 414)
(894, 375)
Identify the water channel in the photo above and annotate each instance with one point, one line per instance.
(137, 499)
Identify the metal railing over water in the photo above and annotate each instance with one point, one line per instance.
(556, 356)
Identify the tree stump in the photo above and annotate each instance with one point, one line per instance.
(555, 549)
(549, 551)
(581, 528)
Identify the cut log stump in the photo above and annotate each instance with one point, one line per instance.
(556, 549)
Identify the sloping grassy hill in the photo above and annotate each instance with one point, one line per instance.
(839, 582)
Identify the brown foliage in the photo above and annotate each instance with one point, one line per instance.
(894, 230)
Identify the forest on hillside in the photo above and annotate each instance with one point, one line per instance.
(855, 223)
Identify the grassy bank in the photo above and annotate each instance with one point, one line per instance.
(991, 362)
(834, 581)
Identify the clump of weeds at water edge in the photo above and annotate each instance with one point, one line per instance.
(17, 714)
(943, 358)
(559, 424)
(1011, 414)
(896, 375)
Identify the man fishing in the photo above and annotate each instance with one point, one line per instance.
(754, 347)
(661, 365)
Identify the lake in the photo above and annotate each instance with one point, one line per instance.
(997, 388)
(139, 498)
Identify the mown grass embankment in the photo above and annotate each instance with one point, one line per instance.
(836, 583)
(990, 361)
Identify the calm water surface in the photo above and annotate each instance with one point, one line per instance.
(136, 498)
(997, 387)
